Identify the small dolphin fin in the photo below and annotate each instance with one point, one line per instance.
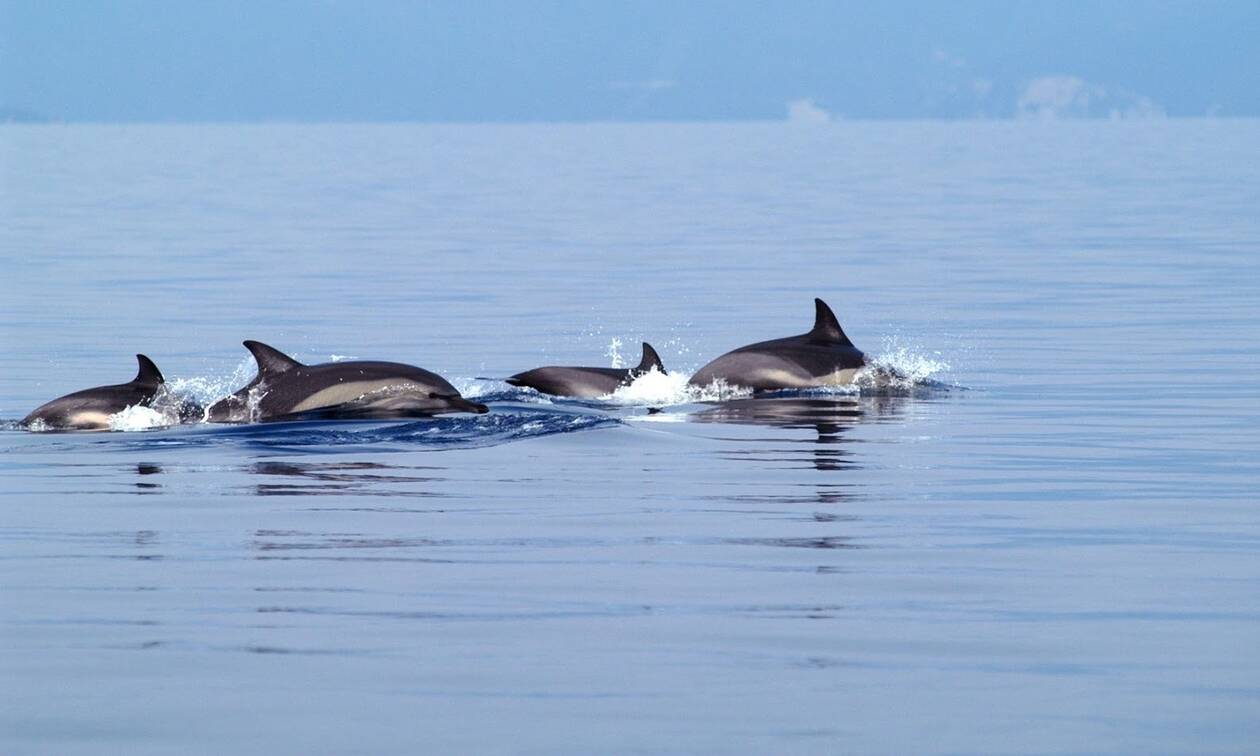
(826, 327)
(149, 375)
(270, 360)
(650, 360)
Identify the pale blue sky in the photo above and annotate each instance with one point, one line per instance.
(335, 60)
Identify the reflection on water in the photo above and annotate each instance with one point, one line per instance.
(341, 478)
(147, 486)
(828, 417)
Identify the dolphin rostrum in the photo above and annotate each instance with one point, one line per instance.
(90, 409)
(285, 386)
(586, 382)
(822, 357)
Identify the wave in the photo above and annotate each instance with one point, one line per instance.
(505, 425)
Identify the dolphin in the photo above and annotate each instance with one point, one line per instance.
(822, 357)
(285, 387)
(586, 382)
(90, 409)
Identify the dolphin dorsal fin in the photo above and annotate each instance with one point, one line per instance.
(270, 360)
(149, 375)
(826, 327)
(650, 360)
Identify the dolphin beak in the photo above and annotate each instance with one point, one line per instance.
(462, 404)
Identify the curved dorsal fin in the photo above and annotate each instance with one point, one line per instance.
(149, 374)
(270, 360)
(826, 327)
(650, 360)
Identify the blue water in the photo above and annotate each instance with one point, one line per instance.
(1047, 541)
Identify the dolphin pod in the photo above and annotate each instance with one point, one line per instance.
(287, 389)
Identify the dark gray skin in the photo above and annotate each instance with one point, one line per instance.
(586, 382)
(822, 357)
(90, 409)
(285, 388)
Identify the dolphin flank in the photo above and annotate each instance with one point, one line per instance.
(90, 409)
(285, 387)
(586, 382)
(822, 357)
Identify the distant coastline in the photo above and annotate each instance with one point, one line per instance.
(9, 114)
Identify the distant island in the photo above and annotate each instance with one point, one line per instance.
(10, 114)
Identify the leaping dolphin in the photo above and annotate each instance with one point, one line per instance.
(822, 357)
(90, 409)
(285, 386)
(586, 382)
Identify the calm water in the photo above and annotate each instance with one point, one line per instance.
(1051, 543)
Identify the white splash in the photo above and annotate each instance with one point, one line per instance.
(137, 418)
(652, 388)
(470, 388)
(613, 352)
(206, 390)
(657, 389)
(900, 367)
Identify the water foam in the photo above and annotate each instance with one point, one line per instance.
(206, 390)
(652, 388)
(613, 352)
(901, 368)
(138, 418)
(35, 426)
(657, 389)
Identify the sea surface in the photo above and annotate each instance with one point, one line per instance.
(1045, 537)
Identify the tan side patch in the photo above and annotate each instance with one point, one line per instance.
(840, 377)
(89, 420)
(348, 392)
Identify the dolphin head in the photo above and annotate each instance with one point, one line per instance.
(457, 403)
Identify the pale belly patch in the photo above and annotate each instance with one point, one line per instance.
(350, 391)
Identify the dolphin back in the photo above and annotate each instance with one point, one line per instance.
(824, 356)
(580, 382)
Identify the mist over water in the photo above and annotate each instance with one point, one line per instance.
(1031, 526)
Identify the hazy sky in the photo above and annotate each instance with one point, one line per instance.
(527, 60)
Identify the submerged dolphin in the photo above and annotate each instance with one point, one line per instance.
(586, 382)
(285, 386)
(90, 409)
(822, 357)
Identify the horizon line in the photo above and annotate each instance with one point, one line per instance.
(610, 121)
